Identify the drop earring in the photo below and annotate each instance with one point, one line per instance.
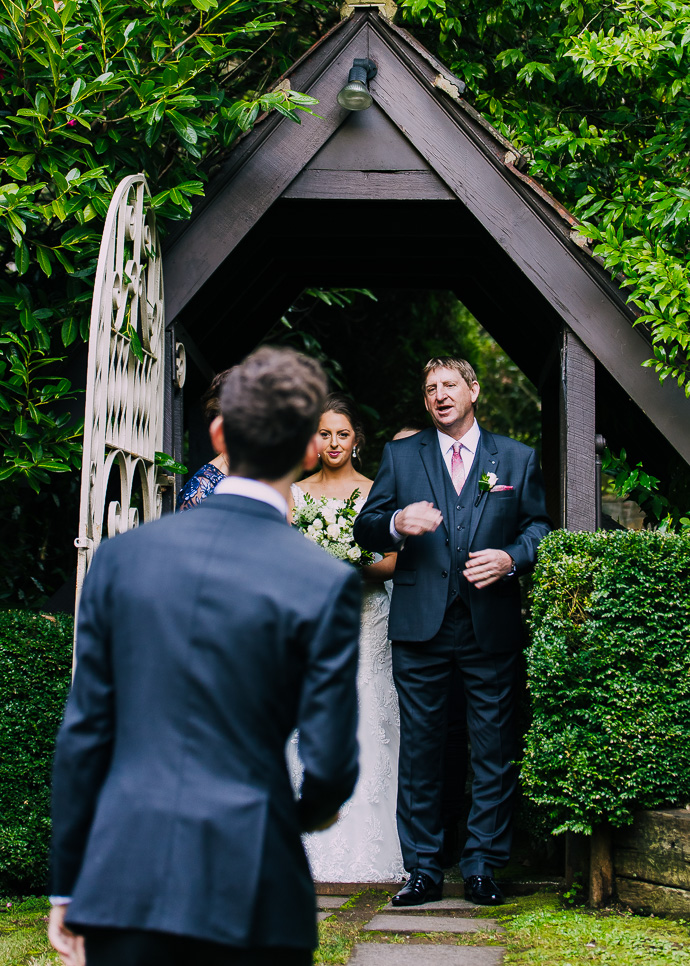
(354, 452)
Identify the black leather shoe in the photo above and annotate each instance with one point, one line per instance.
(482, 890)
(451, 850)
(419, 888)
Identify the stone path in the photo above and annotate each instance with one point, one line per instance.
(404, 922)
(409, 935)
(383, 954)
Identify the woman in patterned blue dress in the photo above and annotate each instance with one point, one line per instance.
(205, 480)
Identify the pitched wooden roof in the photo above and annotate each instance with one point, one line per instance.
(417, 190)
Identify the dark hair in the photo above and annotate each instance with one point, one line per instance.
(270, 405)
(210, 401)
(344, 405)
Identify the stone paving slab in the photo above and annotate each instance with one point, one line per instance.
(392, 954)
(432, 906)
(323, 915)
(391, 923)
(331, 902)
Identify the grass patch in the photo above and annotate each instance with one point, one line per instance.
(336, 940)
(538, 932)
(547, 935)
(23, 933)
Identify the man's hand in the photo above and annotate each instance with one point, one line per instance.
(485, 567)
(68, 943)
(418, 518)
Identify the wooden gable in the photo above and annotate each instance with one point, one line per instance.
(416, 191)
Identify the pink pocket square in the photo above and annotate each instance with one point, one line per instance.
(500, 489)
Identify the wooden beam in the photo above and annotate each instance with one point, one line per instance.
(365, 185)
(577, 435)
(286, 148)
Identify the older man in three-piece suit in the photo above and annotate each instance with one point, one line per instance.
(465, 510)
(203, 640)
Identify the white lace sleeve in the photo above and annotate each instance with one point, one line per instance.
(297, 495)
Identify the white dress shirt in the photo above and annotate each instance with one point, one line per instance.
(254, 490)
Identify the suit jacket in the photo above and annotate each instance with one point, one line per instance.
(203, 640)
(512, 520)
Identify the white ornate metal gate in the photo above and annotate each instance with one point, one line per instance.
(123, 425)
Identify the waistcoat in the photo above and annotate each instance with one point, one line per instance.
(457, 514)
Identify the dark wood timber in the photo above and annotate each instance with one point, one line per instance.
(354, 199)
(656, 848)
(601, 866)
(369, 158)
(218, 228)
(577, 433)
(652, 862)
(650, 897)
(380, 185)
(368, 141)
(513, 218)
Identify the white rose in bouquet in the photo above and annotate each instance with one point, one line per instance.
(328, 523)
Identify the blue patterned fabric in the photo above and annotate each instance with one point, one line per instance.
(199, 486)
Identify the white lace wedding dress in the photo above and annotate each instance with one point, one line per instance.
(363, 845)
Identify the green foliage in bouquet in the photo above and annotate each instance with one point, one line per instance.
(609, 677)
(35, 672)
(328, 523)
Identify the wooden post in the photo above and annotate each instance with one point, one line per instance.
(601, 866)
(577, 435)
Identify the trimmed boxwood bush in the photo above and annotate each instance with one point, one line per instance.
(609, 677)
(35, 672)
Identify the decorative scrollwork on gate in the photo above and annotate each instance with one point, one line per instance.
(123, 425)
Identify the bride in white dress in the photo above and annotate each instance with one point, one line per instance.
(363, 844)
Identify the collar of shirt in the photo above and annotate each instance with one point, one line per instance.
(254, 490)
(470, 442)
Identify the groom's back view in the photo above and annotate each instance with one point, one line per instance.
(203, 640)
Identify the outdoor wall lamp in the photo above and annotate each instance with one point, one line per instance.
(355, 95)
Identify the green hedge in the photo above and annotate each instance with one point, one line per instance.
(35, 670)
(609, 677)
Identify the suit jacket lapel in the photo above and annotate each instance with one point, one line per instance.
(487, 463)
(430, 452)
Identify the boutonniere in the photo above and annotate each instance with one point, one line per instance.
(486, 483)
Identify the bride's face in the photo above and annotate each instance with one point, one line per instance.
(337, 440)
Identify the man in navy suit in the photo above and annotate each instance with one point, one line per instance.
(203, 640)
(465, 510)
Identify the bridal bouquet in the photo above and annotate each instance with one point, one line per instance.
(329, 523)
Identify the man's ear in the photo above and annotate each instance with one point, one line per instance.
(311, 453)
(215, 431)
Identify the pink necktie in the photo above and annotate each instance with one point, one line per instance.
(457, 467)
